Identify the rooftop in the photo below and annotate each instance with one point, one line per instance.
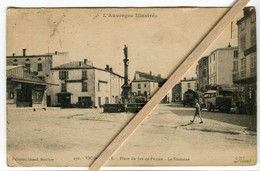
(20, 74)
(81, 65)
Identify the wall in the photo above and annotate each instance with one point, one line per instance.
(72, 87)
(221, 66)
(225, 67)
(100, 78)
(184, 86)
(249, 33)
(60, 58)
(115, 88)
(149, 86)
(45, 60)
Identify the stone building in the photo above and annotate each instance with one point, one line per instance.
(176, 93)
(83, 85)
(39, 65)
(188, 84)
(220, 63)
(145, 84)
(245, 77)
(144, 87)
(24, 89)
(202, 72)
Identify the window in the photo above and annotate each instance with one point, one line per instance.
(139, 93)
(98, 86)
(11, 94)
(106, 100)
(28, 67)
(15, 60)
(63, 75)
(144, 85)
(235, 65)
(84, 75)
(253, 65)
(235, 54)
(243, 42)
(204, 73)
(253, 36)
(99, 101)
(253, 17)
(145, 93)
(243, 25)
(40, 67)
(63, 87)
(243, 67)
(84, 86)
(189, 85)
(139, 86)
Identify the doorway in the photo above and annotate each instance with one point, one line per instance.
(24, 96)
(48, 101)
(84, 102)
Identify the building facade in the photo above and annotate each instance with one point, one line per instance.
(245, 77)
(188, 84)
(24, 89)
(202, 71)
(176, 93)
(83, 85)
(146, 84)
(220, 63)
(39, 65)
(144, 87)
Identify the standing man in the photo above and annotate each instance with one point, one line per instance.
(197, 112)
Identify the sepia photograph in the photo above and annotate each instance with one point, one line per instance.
(76, 76)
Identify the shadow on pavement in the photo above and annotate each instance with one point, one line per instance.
(248, 121)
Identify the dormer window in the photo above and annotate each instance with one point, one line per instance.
(27, 60)
(15, 60)
(39, 59)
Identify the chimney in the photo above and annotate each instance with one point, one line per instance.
(159, 75)
(24, 52)
(85, 61)
(246, 11)
(111, 69)
(184, 78)
(107, 67)
(229, 45)
(13, 54)
(151, 73)
(56, 52)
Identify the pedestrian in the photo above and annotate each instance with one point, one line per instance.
(197, 112)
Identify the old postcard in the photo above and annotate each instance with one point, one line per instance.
(76, 76)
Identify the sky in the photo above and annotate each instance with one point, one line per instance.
(156, 44)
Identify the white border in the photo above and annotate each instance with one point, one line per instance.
(4, 4)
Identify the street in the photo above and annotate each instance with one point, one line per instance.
(74, 137)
